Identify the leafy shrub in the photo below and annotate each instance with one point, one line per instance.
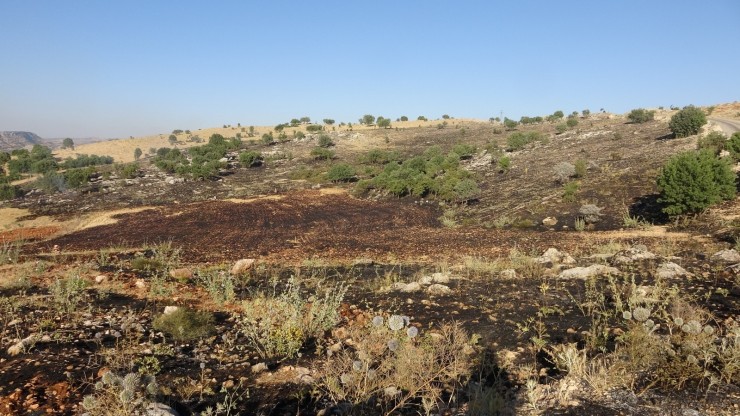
(692, 181)
(421, 118)
(518, 140)
(185, 324)
(687, 122)
(570, 190)
(81, 161)
(715, 142)
(340, 173)
(561, 128)
(504, 163)
(279, 325)
(51, 182)
(250, 159)
(320, 153)
(75, 178)
(268, 139)
(580, 167)
(128, 170)
(325, 141)
(640, 115)
(510, 124)
(465, 151)
(8, 191)
(313, 128)
(68, 293)
(404, 118)
(571, 122)
(380, 157)
(733, 146)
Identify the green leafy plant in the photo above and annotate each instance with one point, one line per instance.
(687, 122)
(640, 115)
(341, 172)
(185, 324)
(692, 181)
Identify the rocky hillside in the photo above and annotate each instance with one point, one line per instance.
(10, 140)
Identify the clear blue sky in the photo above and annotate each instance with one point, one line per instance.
(121, 68)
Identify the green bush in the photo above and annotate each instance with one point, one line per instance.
(313, 128)
(380, 157)
(692, 181)
(640, 115)
(465, 151)
(325, 141)
(687, 122)
(580, 166)
(340, 173)
(51, 182)
(185, 324)
(319, 153)
(572, 122)
(561, 128)
(250, 159)
(127, 170)
(268, 139)
(517, 141)
(715, 142)
(8, 191)
(82, 161)
(383, 122)
(733, 146)
(77, 177)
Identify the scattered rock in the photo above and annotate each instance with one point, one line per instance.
(726, 256)
(140, 284)
(550, 222)
(160, 409)
(242, 266)
(507, 274)
(101, 278)
(170, 309)
(259, 367)
(586, 272)
(438, 289)
(553, 256)
(670, 270)
(632, 254)
(181, 274)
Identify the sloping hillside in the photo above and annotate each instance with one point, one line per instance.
(10, 140)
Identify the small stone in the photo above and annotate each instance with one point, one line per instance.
(259, 367)
(170, 309)
(549, 221)
(140, 284)
(438, 289)
(507, 274)
(726, 256)
(242, 266)
(228, 384)
(101, 278)
(182, 273)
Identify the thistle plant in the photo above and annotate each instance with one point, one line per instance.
(392, 364)
(121, 395)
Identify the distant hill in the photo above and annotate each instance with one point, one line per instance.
(10, 140)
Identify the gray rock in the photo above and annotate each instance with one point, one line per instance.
(160, 409)
(170, 309)
(586, 272)
(553, 256)
(507, 274)
(671, 270)
(726, 256)
(632, 254)
(438, 289)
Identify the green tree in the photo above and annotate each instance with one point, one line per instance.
(172, 139)
(640, 115)
(692, 181)
(383, 122)
(572, 122)
(295, 122)
(367, 119)
(687, 122)
(68, 144)
(586, 112)
(137, 153)
(445, 116)
(509, 123)
(558, 114)
(404, 118)
(325, 141)
(305, 120)
(421, 118)
(328, 121)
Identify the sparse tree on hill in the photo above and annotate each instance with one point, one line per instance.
(421, 118)
(305, 120)
(687, 122)
(328, 121)
(172, 139)
(509, 123)
(404, 118)
(137, 153)
(68, 144)
(640, 115)
(383, 122)
(367, 119)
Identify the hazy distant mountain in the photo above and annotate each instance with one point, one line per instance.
(10, 140)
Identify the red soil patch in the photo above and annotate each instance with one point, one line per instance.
(31, 233)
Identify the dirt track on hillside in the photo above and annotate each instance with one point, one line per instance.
(301, 226)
